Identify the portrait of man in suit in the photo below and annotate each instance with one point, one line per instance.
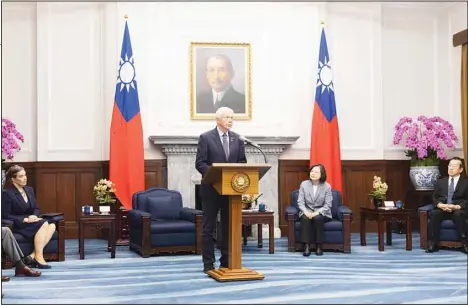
(220, 78)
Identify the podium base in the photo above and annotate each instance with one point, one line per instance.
(228, 275)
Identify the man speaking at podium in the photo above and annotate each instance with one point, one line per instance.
(219, 145)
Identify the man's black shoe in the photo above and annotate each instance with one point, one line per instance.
(208, 267)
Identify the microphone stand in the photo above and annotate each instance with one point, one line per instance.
(258, 147)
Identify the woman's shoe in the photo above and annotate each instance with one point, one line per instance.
(41, 266)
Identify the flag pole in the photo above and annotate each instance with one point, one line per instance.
(122, 227)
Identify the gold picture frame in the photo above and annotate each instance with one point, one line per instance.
(220, 67)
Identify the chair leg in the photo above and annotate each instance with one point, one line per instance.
(291, 235)
(61, 240)
(347, 233)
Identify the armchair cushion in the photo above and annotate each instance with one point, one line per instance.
(162, 207)
(162, 226)
(333, 225)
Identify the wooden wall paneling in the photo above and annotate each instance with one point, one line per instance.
(291, 174)
(155, 173)
(358, 177)
(65, 187)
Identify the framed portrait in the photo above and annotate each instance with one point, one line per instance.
(220, 77)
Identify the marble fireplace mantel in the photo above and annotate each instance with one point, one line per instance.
(182, 175)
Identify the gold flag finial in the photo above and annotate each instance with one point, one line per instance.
(126, 16)
(322, 22)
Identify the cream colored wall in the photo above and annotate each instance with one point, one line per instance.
(389, 60)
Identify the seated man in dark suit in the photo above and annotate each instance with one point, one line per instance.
(219, 73)
(450, 202)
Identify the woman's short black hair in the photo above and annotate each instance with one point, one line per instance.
(323, 172)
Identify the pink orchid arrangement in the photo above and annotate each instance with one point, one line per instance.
(10, 138)
(426, 139)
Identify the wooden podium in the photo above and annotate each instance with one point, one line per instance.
(234, 180)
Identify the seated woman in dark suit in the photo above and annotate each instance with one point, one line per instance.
(314, 202)
(19, 205)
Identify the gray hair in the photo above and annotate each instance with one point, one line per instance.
(222, 112)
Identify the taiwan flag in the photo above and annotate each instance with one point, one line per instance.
(127, 160)
(325, 136)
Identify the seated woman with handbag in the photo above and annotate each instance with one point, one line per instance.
(19, 205)
(315, 203)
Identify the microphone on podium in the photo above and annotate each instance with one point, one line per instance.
(250, 142)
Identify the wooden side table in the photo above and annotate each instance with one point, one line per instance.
(386, 217)
(98, 220)
(259, 218)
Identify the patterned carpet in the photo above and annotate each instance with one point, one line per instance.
(364, 276)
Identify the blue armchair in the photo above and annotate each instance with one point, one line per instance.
(449, 237)
(54, 250)
(337, 232)
(159, 223)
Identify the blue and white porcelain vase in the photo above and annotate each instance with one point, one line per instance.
(424, 178)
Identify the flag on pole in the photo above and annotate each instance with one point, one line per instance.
(127, 161)
(325, 136)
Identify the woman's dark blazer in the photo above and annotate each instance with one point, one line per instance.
(16, 209)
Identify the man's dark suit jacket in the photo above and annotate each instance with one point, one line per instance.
(210, 150)
(232, 99)
(460, 195)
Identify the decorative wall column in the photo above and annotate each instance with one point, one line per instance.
(182, 175)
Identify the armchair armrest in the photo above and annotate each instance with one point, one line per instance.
(52, 217)
(291, 213)
(426, 208)
(344, 210)
(189, 214)
(135, 218)
(7, 223)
